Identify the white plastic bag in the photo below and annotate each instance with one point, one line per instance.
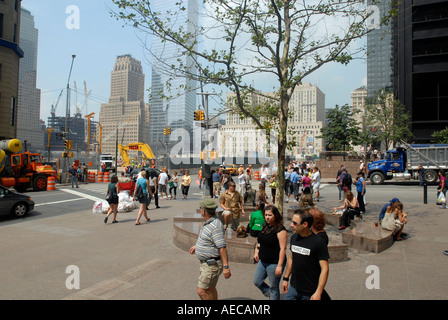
(105, 206)
(441, 198)
(97, 207)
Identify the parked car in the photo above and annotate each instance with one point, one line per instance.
(14, 203)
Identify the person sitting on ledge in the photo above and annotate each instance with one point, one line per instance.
(350, 206)
(395, 219)
(306, 199)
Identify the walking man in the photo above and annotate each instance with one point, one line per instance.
(308, 262)
(232, 201)
(211, 251)
(361, 191)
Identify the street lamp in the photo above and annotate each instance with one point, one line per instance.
(67, 110)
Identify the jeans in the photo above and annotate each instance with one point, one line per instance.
(74, 181)
(292, 294)
(267, 270)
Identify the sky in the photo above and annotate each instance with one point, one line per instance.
(100, 38)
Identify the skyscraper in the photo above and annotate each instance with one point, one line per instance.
(172, 105)
(10, 53)
(126, 108)
(421, 57)
(28, 127)
(380, 62)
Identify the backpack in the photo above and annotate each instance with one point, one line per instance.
(348, 180)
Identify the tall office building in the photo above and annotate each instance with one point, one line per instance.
(380, 62)
(126, 108)
(421, 58)
(28, 127)
(172, 105)
(10, 54)
(239, 137)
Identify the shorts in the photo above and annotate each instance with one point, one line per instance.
(143, 199)
(162, 188)
(209, 275)
(234, 219)
(216, 186)
(295, 188)
(316, 187)
(112, 200)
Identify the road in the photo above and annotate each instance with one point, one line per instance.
(124, 261)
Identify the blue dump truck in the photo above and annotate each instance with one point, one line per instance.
(403, 161)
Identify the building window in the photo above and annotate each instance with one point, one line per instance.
(13, 110)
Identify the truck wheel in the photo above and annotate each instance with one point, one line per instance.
(377, 178)
(430, 176)
(19, 210)
(40, 183)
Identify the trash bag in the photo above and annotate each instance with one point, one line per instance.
(97, 207)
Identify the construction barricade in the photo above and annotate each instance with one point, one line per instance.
(100, 176)
(51, 183)
(257, 175)
(106, 177)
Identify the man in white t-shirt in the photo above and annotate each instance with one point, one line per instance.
(163, 180)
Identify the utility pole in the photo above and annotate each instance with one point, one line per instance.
(67, 112)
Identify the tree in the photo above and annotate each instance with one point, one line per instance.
(387, 118)
(342, 129)
(284, 39)
(441, 136)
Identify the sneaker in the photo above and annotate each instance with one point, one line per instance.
(443, 206)
(287, 200)
(342, 228)
(445, 252)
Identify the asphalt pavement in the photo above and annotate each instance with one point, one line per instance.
(41, 258)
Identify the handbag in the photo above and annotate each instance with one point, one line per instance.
(388, 222)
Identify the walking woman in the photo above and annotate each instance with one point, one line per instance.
(143, 183)
(186, 181)
(173, 185)
(113, 189)
(270, 253)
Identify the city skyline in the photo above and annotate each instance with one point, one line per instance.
(100, 38)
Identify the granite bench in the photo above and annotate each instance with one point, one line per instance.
(188, 224)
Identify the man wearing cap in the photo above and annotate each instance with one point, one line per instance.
(211, 251)
(384, 209)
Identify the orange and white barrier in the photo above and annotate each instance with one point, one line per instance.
(51, 183)
(100, 176)
(257, 175)
(106, 177)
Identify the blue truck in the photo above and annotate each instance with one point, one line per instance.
(403, 162)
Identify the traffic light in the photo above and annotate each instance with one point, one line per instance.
(69, 144)
(66, 144)
(168, 130)
(201, 115)
(165, 131)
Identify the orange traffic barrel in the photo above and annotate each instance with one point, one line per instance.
(257, 175)
(51, 183)
(91, 176)
(100, 176)
(106, 177)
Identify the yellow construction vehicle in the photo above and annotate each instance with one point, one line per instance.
(136, 146)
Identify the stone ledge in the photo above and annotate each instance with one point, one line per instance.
(187, 226)
(364, 235)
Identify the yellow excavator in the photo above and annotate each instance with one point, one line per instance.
(135, 146)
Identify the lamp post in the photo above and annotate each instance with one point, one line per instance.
(67, 110)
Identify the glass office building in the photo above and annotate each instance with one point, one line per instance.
(171, 105)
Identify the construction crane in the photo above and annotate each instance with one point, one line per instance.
(88, 131)
(87, 95)
(53, 107)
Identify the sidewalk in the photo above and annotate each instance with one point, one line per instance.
(127, 262)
